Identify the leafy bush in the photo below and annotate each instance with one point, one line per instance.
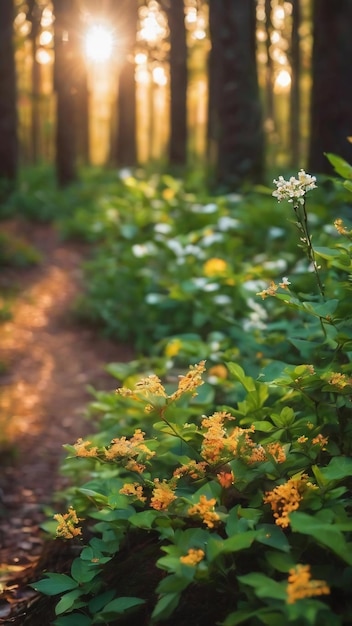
(224, 501)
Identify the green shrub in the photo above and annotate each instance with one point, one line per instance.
(233, 495)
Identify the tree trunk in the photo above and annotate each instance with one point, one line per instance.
(235, 124)
(178, 83)
(64, 83)
(124, 150)
(295, 99)
(331, 100)
(34, 16)
(8, 111)
(269, 71)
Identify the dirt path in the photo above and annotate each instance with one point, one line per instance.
(51, 360)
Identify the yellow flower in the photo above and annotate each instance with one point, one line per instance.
(276, 450)
(168, 194)
(163, 495)
(192, 557)
(339, 380)
(215, 267)
(214, 439)
(300, 585)
(133, 489)
(128, 450)
(67, 524)
(144, 388)
(82, 450)
(219, 370)
(205, 510)
(173, 347)
(193, 469)
(270, 291)
(190, 381)
(286, 498)
(340, 227)
(302, 439)
(320, 440)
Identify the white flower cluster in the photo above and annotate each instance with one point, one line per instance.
(294, 189)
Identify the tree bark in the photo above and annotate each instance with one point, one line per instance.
(124, 149)
(295, 94)
(8, 110)
(235, 115)
(178, 83)
(34, 16)
(331, 100)
(64, 84)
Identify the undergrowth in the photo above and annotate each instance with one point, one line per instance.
(222, 491)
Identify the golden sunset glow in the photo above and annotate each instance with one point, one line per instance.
(98, 43)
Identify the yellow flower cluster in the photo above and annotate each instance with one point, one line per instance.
(269, 291)
(163, 495)
(300, 585)
(133, 489)
(340, 227)
(273, 287)
(205, 510)
(67, 524)
(193, 469)
(129, 450)
(220, 445)
(320, 440)
(339, 380)
(152, 386)
(83, 450)
(190, 382)
(286, 498)
(193, 557)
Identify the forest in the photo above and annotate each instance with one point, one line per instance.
(175, 312)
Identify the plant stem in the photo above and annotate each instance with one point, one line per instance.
(302, 224)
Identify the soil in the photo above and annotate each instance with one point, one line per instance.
(50, 359)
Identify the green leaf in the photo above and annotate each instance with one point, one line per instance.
(264, 586)
(264, 615)
(172, 584)
(55, 584)
(238, 373)
(67, 601)
(272, 535)
(339, 164)
(83, 571)
(324, 533)
(340, 467)
(90, 493)
(74, 619)
(348, 185)
(144, 519)
(120, 605)
(239, 542)
(166, 605)
(98, 602)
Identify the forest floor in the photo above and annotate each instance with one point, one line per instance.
(48, 360)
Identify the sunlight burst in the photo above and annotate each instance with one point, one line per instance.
(98, 43)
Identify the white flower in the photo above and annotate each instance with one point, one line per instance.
(208, 240)
(222, 299)
(139, 250)
(124, 173)
(226, 223)
(294, 188)
(162, 228)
